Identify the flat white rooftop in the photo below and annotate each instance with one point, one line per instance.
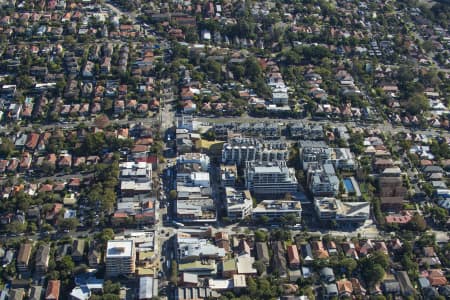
(116, 249)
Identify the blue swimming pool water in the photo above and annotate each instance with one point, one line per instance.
(348, 185)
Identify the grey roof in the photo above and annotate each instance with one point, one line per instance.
(35, 292)
(306, 251)
(430, 293)
(16, 294)
(391, 287)
(42, 255)
(433, 169)
(262, 252)
(279, 258)
(444, 290)
(147, 287)
(312, 144)
(327, 271)
(331, 289)
(329, 169)
(423, 282)
(405, 284)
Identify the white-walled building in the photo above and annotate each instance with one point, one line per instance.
(270, 178)
(329, 208)
(239, 204)
(275, 209)
(120, 257)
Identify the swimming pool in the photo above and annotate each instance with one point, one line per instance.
(348, 185)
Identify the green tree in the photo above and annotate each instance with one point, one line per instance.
(68, 224)
(373, 274)
(260, 236)
(417, 104)
(252, 69)
(417, 223)
(374, 267)
(93, 143)
(111, 288)
(6, 147)
(439, 215)
(174, 272)
(16, 227)
(106, 235)
(260, 266)
(173, 195)
(48, 168)
(349, 264)
(380, 258)
(356, 141)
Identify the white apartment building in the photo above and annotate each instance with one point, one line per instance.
(197, 158)
(120, 258)
(270, 178)
(317, 152)
(133, 170)
(135, 178)
(240, 150)
(322, 180)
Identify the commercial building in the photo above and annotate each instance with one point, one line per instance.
(275, 209)
(194, 204)
(120, 257)
(228, 175)
(139, 170)
(148, 288)
(328, 208)
(190, 249)
(194, 158)
(196, 211)
(135, 178)
(239, 204)
(269, 179)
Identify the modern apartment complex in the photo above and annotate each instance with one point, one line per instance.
(120, 257)
(318, 153)
(240, 150)
(270, 178)
(322, 180)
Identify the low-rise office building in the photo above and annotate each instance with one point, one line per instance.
(329, 208)
(239, 204)
(275, 209)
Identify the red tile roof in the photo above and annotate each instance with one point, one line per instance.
(52, 292)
